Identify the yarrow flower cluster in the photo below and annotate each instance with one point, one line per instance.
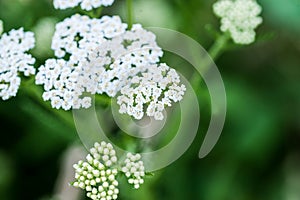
(105, 153)
(61, 84)
(239, 18)
(15, 60)
(84, 4)
(97, 175)
(97, 178)
(134, 169)
(151, 90)
(104, 57)
(80, 35)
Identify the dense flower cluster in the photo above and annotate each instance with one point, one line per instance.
(14, 60)
(98, 181)
(105, 153)
(239, 18)
(153, 89)
(77, 36)
(97, 175)
(81, 35)
(62, 85)
(102, 57)
(134, 169)
(130, 53)
(84, 4)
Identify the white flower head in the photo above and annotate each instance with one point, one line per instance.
(66, 81)
(130, 53)
(103, 56)
(14, 59)
(97, 175)
(98, 181)
(62, 84)
(134, 169)
(84, 4)
(105, 153)
(239, 18)
(150, 92)
(80, 35)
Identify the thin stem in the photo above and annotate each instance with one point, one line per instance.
(214, 52)
(129, 13)
(218, 47)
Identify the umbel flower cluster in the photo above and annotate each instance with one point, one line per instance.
(157, 87)
(84, 4)
(97, 175)
(239, 18)
(134, 169)
(14, 60)
(105, 57)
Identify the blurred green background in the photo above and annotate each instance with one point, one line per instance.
(258, 154)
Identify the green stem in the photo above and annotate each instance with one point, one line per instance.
(218, 47)
(214, 52)
(129, 13)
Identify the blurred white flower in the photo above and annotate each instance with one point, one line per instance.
(239, 18)
(84, 4)
(134, 169)
(14, 60)
(150, 92)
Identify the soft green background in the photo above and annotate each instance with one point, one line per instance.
(258, 154)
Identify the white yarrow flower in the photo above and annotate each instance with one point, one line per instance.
(66, 81)
(62, 84)
(97, 175)
(96, 179)
(84, 4)
(150, 92)
(104, 56)
(105, 153)
(130, 54)
(134, 169)
(14, 60)
(239, 18)
(80, 35)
